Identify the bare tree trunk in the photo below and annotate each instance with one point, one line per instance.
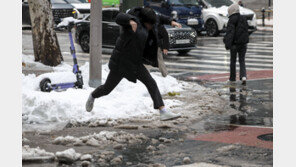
(45, 42)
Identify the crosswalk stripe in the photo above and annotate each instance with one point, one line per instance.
(266, 42)
(224, 62)
(226, 54)
(184, 65)
(194, 71)
(257, 45)
(247, 59)
(223, 49)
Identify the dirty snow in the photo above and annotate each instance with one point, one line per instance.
(69, 155)
(28, 152)
(104, 137)
(127, 99)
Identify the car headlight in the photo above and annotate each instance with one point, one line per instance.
(174, 14)
(171, 34)
(193, 34)
(222, 15)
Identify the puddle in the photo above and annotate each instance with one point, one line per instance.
(266, 137)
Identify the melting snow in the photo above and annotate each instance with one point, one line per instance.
(127, 99)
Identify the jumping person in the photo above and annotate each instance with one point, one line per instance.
(135, 45)
(236, 40)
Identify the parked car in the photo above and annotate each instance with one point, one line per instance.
(181, 39)
(186, 12)
(60, 9)
(215, 15)
(82, 8)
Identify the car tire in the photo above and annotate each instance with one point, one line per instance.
(212, 28)
(84, 42)
(183, 52)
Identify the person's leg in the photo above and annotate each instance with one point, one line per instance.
(145, 77)
(112, 81)
(161, 65)
(242, 53)
(233, 53)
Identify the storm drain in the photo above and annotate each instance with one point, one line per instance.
(266, 137)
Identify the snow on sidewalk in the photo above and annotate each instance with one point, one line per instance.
(127, 99)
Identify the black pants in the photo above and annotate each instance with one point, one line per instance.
(241, 51)
(143, 75)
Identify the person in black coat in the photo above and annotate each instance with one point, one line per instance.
(136, 45)
(236, 40)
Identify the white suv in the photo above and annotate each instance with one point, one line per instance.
(82, 8)
(215, 15)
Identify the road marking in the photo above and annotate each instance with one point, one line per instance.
(227, 52)
(267, 50)
(225, 62)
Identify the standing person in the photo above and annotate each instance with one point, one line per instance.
(132, 48)
(236, 40)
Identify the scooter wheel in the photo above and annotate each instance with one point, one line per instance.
(45, 85)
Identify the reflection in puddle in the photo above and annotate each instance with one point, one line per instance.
(245, 101)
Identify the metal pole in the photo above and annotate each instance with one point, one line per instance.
(95, 61)
(263, 17)
(269, 8)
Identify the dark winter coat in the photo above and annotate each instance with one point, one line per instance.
(128, 52)
(237, 31)
(163, 37)
(153, 41)
(131, 48)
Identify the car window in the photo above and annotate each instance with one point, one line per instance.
(220, 3)
(77, 1)
(58, 1)
(156, 1)
(107, 15)
(184, 2)
(115, 13)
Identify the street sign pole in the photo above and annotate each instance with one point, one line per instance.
(95, 61)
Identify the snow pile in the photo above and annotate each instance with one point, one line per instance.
(125, 101)
(65, 21)
(69, 155)
(104, 137)
(35, 153)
